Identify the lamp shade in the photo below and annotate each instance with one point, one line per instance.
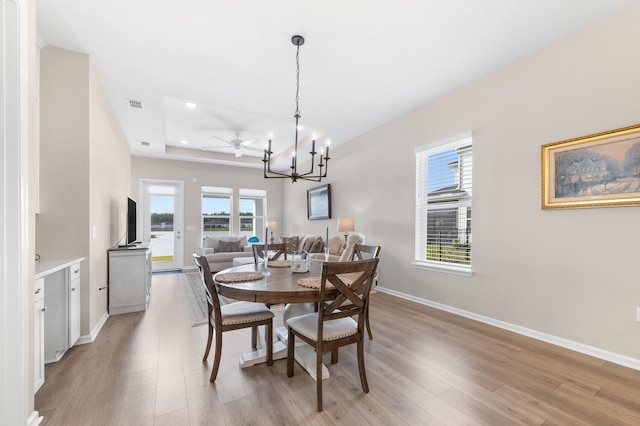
(273, 225)
(345, 224)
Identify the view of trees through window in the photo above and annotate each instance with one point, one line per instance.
(220, 218)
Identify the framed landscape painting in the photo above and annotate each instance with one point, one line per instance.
(319, 202)
(599, 170)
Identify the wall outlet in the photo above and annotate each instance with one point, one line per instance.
(94, 232)
(638, 314)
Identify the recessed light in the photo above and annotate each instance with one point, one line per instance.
(184, 141)
(190, 105)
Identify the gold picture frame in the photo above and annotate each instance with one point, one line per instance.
(598, 170)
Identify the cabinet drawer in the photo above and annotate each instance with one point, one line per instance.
(38, 290)
(74, 272)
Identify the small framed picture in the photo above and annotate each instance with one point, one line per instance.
(319, 202)
(599, 170)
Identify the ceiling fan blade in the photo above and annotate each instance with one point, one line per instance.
(219, 138)
(206, 148)
(250, 148)
(249, 142)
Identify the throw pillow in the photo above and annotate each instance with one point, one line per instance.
(318, 246)
(335, 246)
(290, 244)
(230, 246)
(308, 243)
(209, 242)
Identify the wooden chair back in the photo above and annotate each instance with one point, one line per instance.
(213, 301)
(363, 252)
(353, 280)
(278, 250)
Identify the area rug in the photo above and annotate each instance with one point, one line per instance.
(194, 297)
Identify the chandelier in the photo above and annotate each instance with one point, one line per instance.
(298, 41)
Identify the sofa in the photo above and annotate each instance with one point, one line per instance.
(220, 251)
(337, 251)
(302, 244)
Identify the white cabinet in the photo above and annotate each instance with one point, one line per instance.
(129, 279)
(61, 279)
(38, 335)
(73, 273)
(56, 322)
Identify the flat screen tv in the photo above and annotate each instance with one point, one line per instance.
(131, 221)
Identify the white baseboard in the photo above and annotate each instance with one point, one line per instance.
(593, 351)
(34, 419)
(83, 340)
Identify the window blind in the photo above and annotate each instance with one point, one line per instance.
(444, 188)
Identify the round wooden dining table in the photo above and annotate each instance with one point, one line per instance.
(280, 286)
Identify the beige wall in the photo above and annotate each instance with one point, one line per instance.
(196, 175)
(572, 274)
(84, 172)
(109, 176)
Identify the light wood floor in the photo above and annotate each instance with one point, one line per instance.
(424, 367)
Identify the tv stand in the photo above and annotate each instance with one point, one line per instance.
(129, 278)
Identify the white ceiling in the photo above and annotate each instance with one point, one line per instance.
(364, 62)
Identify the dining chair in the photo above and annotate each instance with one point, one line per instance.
(362, 252)
(277, 249)
(233, 316)
(333, 326)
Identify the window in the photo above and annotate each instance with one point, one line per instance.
(216, 211)
(252, 208)
(443, 205)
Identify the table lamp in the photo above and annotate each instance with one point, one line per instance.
(272, 225)
(345, 225)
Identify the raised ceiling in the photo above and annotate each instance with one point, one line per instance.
(364, 62)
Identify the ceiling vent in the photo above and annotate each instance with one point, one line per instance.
(144, 143)
(135, 104)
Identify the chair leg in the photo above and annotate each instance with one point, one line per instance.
(334, 356)
(319, 377)
(269, 332)
(366, 320)
(290, 346)
(218, 355)
(363, 374)
(254, 337)
(206, 350)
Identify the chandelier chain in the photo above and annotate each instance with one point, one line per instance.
(297, 113)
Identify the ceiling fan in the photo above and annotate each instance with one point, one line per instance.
(237, 144)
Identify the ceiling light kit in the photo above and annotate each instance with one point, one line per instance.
(297, 41)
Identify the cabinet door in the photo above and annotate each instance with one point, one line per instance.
(74, 304)
(38, 336)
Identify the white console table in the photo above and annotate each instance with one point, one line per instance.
(129, 278)
(57, 311)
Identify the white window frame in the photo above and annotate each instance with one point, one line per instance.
(208, 191)
(253, 194)
(423, 207)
